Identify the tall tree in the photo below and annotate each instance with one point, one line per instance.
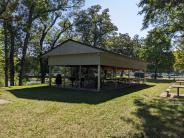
(19, 17)
(167, 14)
(124, 44)
(30, 5)
(138, 43)
(157, 50)
(94, 25)
(56, 33)
(46, 27)
(12, 52)
(34, 10)
(1, 63)
(3, 6)
(179, 55)
(7, 17)
(5, 26)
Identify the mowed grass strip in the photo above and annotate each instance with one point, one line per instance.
(40, 111)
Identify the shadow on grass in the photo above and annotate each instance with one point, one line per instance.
(73, 96)
(160, 81)
(161, 117)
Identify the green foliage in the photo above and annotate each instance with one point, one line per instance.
(23, 17)
(1, 67)
(167, 14)
(157, 51)
(124, 44)
(1, 60)
(94, 26)
(179, 55)
(32, 65)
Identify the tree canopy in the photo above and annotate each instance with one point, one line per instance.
(167, 14)
(29, 28)
(179, 55)
(158, 52)
(94, 26)
(124, 44)
(20, 19)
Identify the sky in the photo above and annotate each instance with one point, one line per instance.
(124, 14)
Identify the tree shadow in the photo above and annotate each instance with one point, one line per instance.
(159, 81)
(161, 117)
(73, 96)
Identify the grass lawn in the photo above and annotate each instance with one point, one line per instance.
(40, 111)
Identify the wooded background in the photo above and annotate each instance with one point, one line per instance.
(29, 28)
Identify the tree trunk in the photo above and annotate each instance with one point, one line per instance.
(12, 41)
(22, 62)
(6, 53)
(155, 71)
(3, 7)
(58, 36)
(44, 33)
(41, 60)
(42, 71)
(25, 45)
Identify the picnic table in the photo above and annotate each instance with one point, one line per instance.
(180, 82)
(178, 88)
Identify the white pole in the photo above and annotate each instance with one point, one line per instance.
(99, 77)
(50, 75)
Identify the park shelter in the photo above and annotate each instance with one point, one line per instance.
(76, 54)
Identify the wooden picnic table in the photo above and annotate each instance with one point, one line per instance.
(178, 88)
(180, 82)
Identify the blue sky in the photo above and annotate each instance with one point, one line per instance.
(123, 14)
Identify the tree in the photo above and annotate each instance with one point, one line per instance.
(157, 50)
(63, 27)
(7, 17)
(46, 26)
(94, 25)
(167, 14)
(3, 6)
(167, 63)
(49, 35)
(179, 55)
(124, 44)
(7, 7)
(12, 52)
(5, 26)
(1, 67)
(1, 59)
(34, 10)
(138, 43)
(18, 19)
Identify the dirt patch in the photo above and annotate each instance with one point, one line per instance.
(2, 101)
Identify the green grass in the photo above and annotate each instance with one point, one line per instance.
(174, 90)
(40, 111)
